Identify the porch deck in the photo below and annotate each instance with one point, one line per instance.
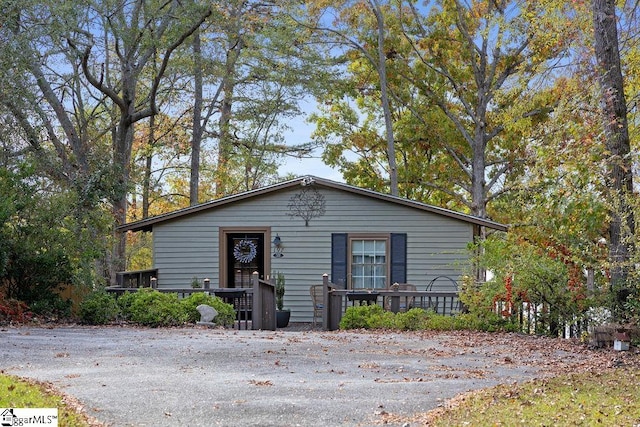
(255, 306)
(336, 301)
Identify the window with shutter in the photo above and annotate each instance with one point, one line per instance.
(368, 261)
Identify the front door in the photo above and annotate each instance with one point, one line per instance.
(245, 254)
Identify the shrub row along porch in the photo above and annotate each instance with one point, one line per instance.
(255, 306)
(336, 301)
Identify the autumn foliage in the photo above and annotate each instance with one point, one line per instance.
(12, 310)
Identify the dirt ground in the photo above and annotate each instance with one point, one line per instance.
(128, 376)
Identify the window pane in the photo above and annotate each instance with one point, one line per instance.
(368, 264)
(357, 270)
(380, 270)
(368, 269)
(369, 246)
(357, 283)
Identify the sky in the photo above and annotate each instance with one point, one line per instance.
(313, 166)
(301, 132)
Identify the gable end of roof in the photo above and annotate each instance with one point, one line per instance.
(148, 223)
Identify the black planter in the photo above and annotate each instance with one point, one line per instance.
(282, 318)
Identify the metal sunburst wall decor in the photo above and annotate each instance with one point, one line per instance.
(306, 204)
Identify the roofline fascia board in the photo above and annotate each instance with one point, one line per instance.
(147, 224)
(418, 205)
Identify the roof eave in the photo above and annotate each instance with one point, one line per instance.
(148, 223)
(419, 205)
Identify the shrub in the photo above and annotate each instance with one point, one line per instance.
(12, 310)
(384, 320)
(52, 306)
(226, 314)
(34, 275)
(366, 317)
(150, 307)
(374, 317)
(356, 317)
(280, 290)
(412, 320)
(99, 308)
(124, 303)
(632, 307)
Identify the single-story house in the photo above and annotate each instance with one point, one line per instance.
(304, 228)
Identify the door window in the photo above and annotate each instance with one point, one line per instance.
(245, 255)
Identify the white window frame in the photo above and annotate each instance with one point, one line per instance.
(352, 273)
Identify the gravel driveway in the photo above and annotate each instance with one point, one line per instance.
(128, 376)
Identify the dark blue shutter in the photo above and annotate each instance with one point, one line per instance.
(398, 254)
(339, 259)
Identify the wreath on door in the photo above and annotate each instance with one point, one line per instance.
(245, 251)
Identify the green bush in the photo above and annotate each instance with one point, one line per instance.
(150, 307)
(34, 275)
(374, 317)
(98, 308)
(226, 314)
(51, 306)
(48, 238)
(356, 317)
(366, 317)
(412, 320)
(386, 320)
(124, 303)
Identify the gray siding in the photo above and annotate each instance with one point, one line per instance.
(188, 247)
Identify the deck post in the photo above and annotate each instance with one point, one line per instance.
(256, 306)
(325, 302)
(395, 298)
(332, 306)
(263, 307)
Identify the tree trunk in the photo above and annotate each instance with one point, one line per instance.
(478, 182)
(122, 160)
(196, 141)
(619, 173)
(225, 139)
(382, 75)
(146, 183)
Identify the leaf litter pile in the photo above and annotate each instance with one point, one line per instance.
(576, 385)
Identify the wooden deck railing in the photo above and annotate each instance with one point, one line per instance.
(182, 292)
(257, 304)
(264, 304)
(137, 279)
(336, 301)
